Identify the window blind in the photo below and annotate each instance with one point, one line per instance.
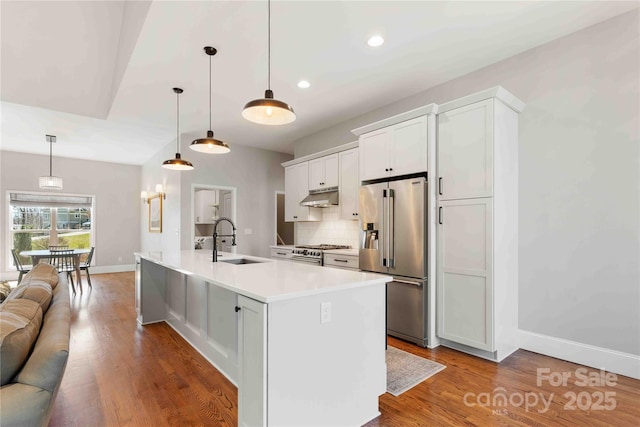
(49, 200)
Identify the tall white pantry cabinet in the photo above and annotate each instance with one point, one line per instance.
(477, 248)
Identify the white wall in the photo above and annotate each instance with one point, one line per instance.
(256, 174)
(117, 207)
(579, 193)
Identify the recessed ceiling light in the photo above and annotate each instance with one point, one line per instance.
(303, 84)
(375, 41)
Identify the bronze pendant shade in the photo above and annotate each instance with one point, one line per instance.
(209, 144)
(178, 163)
(267, 110)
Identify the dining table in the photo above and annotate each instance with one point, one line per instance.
(39, 254)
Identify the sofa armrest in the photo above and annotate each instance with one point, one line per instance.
(46, 364)
(24, 405)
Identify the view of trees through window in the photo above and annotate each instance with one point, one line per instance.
(39, 227)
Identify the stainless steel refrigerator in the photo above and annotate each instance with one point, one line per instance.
(393, 217)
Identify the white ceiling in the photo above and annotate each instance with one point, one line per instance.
(99, 74)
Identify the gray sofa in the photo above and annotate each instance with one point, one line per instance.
(29, 387)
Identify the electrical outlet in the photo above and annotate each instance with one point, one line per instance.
(325, 312)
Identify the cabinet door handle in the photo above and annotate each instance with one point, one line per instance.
(440, 186)
(340, 260)
(281, 253)
(440, 215)
(390, 169)
(386, 169)
(238, 309)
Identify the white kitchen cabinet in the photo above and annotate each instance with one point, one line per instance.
(296, 188)
(282, 253)
(465, 151)
(337, 260)
(252, 362)
(477, 245)
(206, 206)
(395, 150)
(349, 184)
(323, 172)
(465, 290)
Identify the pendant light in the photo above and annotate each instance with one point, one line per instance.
(267, 110)
(50, 182)
(209, 144)
(178, 163)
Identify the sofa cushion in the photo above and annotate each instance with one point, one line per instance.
(45, 272)
(20, 321)
(36, 290)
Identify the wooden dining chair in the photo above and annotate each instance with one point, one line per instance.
(64, 262)
(86, 264)
(22, 268)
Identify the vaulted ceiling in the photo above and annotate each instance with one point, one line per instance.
(99, 74)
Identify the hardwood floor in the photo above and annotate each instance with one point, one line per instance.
(123, 374)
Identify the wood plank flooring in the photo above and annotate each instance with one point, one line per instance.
(123, 374)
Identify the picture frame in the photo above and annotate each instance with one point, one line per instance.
(155, 214)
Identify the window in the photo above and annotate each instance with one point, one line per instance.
(41, 219)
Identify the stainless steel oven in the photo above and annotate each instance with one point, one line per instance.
(312, 254)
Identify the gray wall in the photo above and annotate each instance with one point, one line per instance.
(115, 187)
(256, 174)
(579, 193)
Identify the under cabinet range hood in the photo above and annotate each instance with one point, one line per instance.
(322, 198)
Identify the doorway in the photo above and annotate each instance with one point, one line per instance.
(208, 204)
(284, 230)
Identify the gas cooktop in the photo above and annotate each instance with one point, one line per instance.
(323, 247)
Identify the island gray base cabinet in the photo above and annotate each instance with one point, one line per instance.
(204, 314)
(150, 292)
(319, 374)
(252, 369)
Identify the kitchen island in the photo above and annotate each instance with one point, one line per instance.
(305, 345)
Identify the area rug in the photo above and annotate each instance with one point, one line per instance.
(406, 370)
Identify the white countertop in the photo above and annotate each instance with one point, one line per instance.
(282, 246)
(268, 281)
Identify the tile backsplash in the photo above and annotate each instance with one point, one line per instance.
(331, 230)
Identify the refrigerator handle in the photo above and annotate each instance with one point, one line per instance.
(391, 230)
(408, 282)
(383, 236)
(440, 215)
(440, 186)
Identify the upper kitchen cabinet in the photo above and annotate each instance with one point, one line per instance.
(470, 138)
(397, 145)
(206, 206)
(349, 184)
(323, 172)
(296, 188)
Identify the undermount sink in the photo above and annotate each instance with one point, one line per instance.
(240, 261)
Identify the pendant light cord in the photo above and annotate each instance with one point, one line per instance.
(50, 157)
(269, 43)
(209, 92)
(178, 122)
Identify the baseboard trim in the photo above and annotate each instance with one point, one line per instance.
(13, 275)
(584, 354)
(112, 268)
